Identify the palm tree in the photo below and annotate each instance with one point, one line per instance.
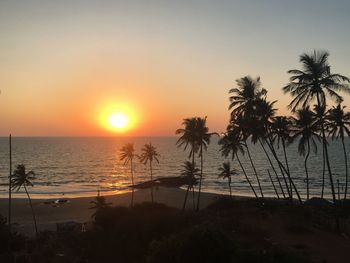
(226, 172)
(306, 129)
(203, 140)
(338, 126)
(149, 153)
(248, 89)
(189, 137)
(98, 204)
(127, 154)
(231, 144)
(315, 82)
(190, 171)
(281, 134)
(20, 178)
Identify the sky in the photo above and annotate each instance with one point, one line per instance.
(66, 65)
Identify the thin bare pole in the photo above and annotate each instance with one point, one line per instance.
(10, 190)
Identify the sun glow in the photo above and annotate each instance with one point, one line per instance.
(117, 118)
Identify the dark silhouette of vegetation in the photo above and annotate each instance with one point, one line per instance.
(232, 144)
(338, 123)
(127, 154)
(190, 172)
(306, 128)
(21, 178)
(99, 203)
(149, 153)
(315, 82)
(226, 172)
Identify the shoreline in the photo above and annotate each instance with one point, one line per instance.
(77, 209)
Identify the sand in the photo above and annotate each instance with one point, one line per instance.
(77, 209)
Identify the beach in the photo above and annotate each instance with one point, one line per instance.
(77, 209)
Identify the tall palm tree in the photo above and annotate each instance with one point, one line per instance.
(226, 172)
(281, 134)
(127, 154)
(338, 126)
(189, 138)
(231, 144)
(21, 178)
(315, 82)
(149, 153)
(306, 129)
(190, 172)
(203, 140)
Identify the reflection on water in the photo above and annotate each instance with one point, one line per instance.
(80, 166)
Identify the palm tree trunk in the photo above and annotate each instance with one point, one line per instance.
(200, 178)
(306, 170)
(283, 169)
(274, 170)
(132, 183)
(324, 140)
(346, 169)
(193, 193)
(229, 186)
(150, 166)
(273, 184)
(287, 164)
(185, 201)
(323, 171)
(31, 207)
(256, 174)
(246, 176)
(10, 186)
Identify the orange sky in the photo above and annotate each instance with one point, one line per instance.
(62, 64)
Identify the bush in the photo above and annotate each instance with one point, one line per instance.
(197, 244)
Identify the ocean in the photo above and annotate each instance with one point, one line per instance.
(80, 166)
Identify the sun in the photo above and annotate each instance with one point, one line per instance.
(117, 117)
(118, 120)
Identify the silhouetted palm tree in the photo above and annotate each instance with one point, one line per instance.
(226, 172)
(248, 89)
(190, 171)
(306, 129)
(149, 153)
(338, 126)
(98, 204)
(203, 140)
(20, 178)
(231, 144)
(189, 138)
(281, 134)
(315, 82)
(127, 154)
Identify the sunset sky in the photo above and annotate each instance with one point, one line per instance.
(66, 65)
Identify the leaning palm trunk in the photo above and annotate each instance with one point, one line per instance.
(150, 166)
(306, 170)
(324, 141)
(246, 176)
(132, 183)
(31, 207)
(286, 160)
(229, 186)
(284, 170)
(323, 171)
(186, 195)
(200, 178)
(274, 170)
(256, 174)
(273, 184)
(346, 169)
